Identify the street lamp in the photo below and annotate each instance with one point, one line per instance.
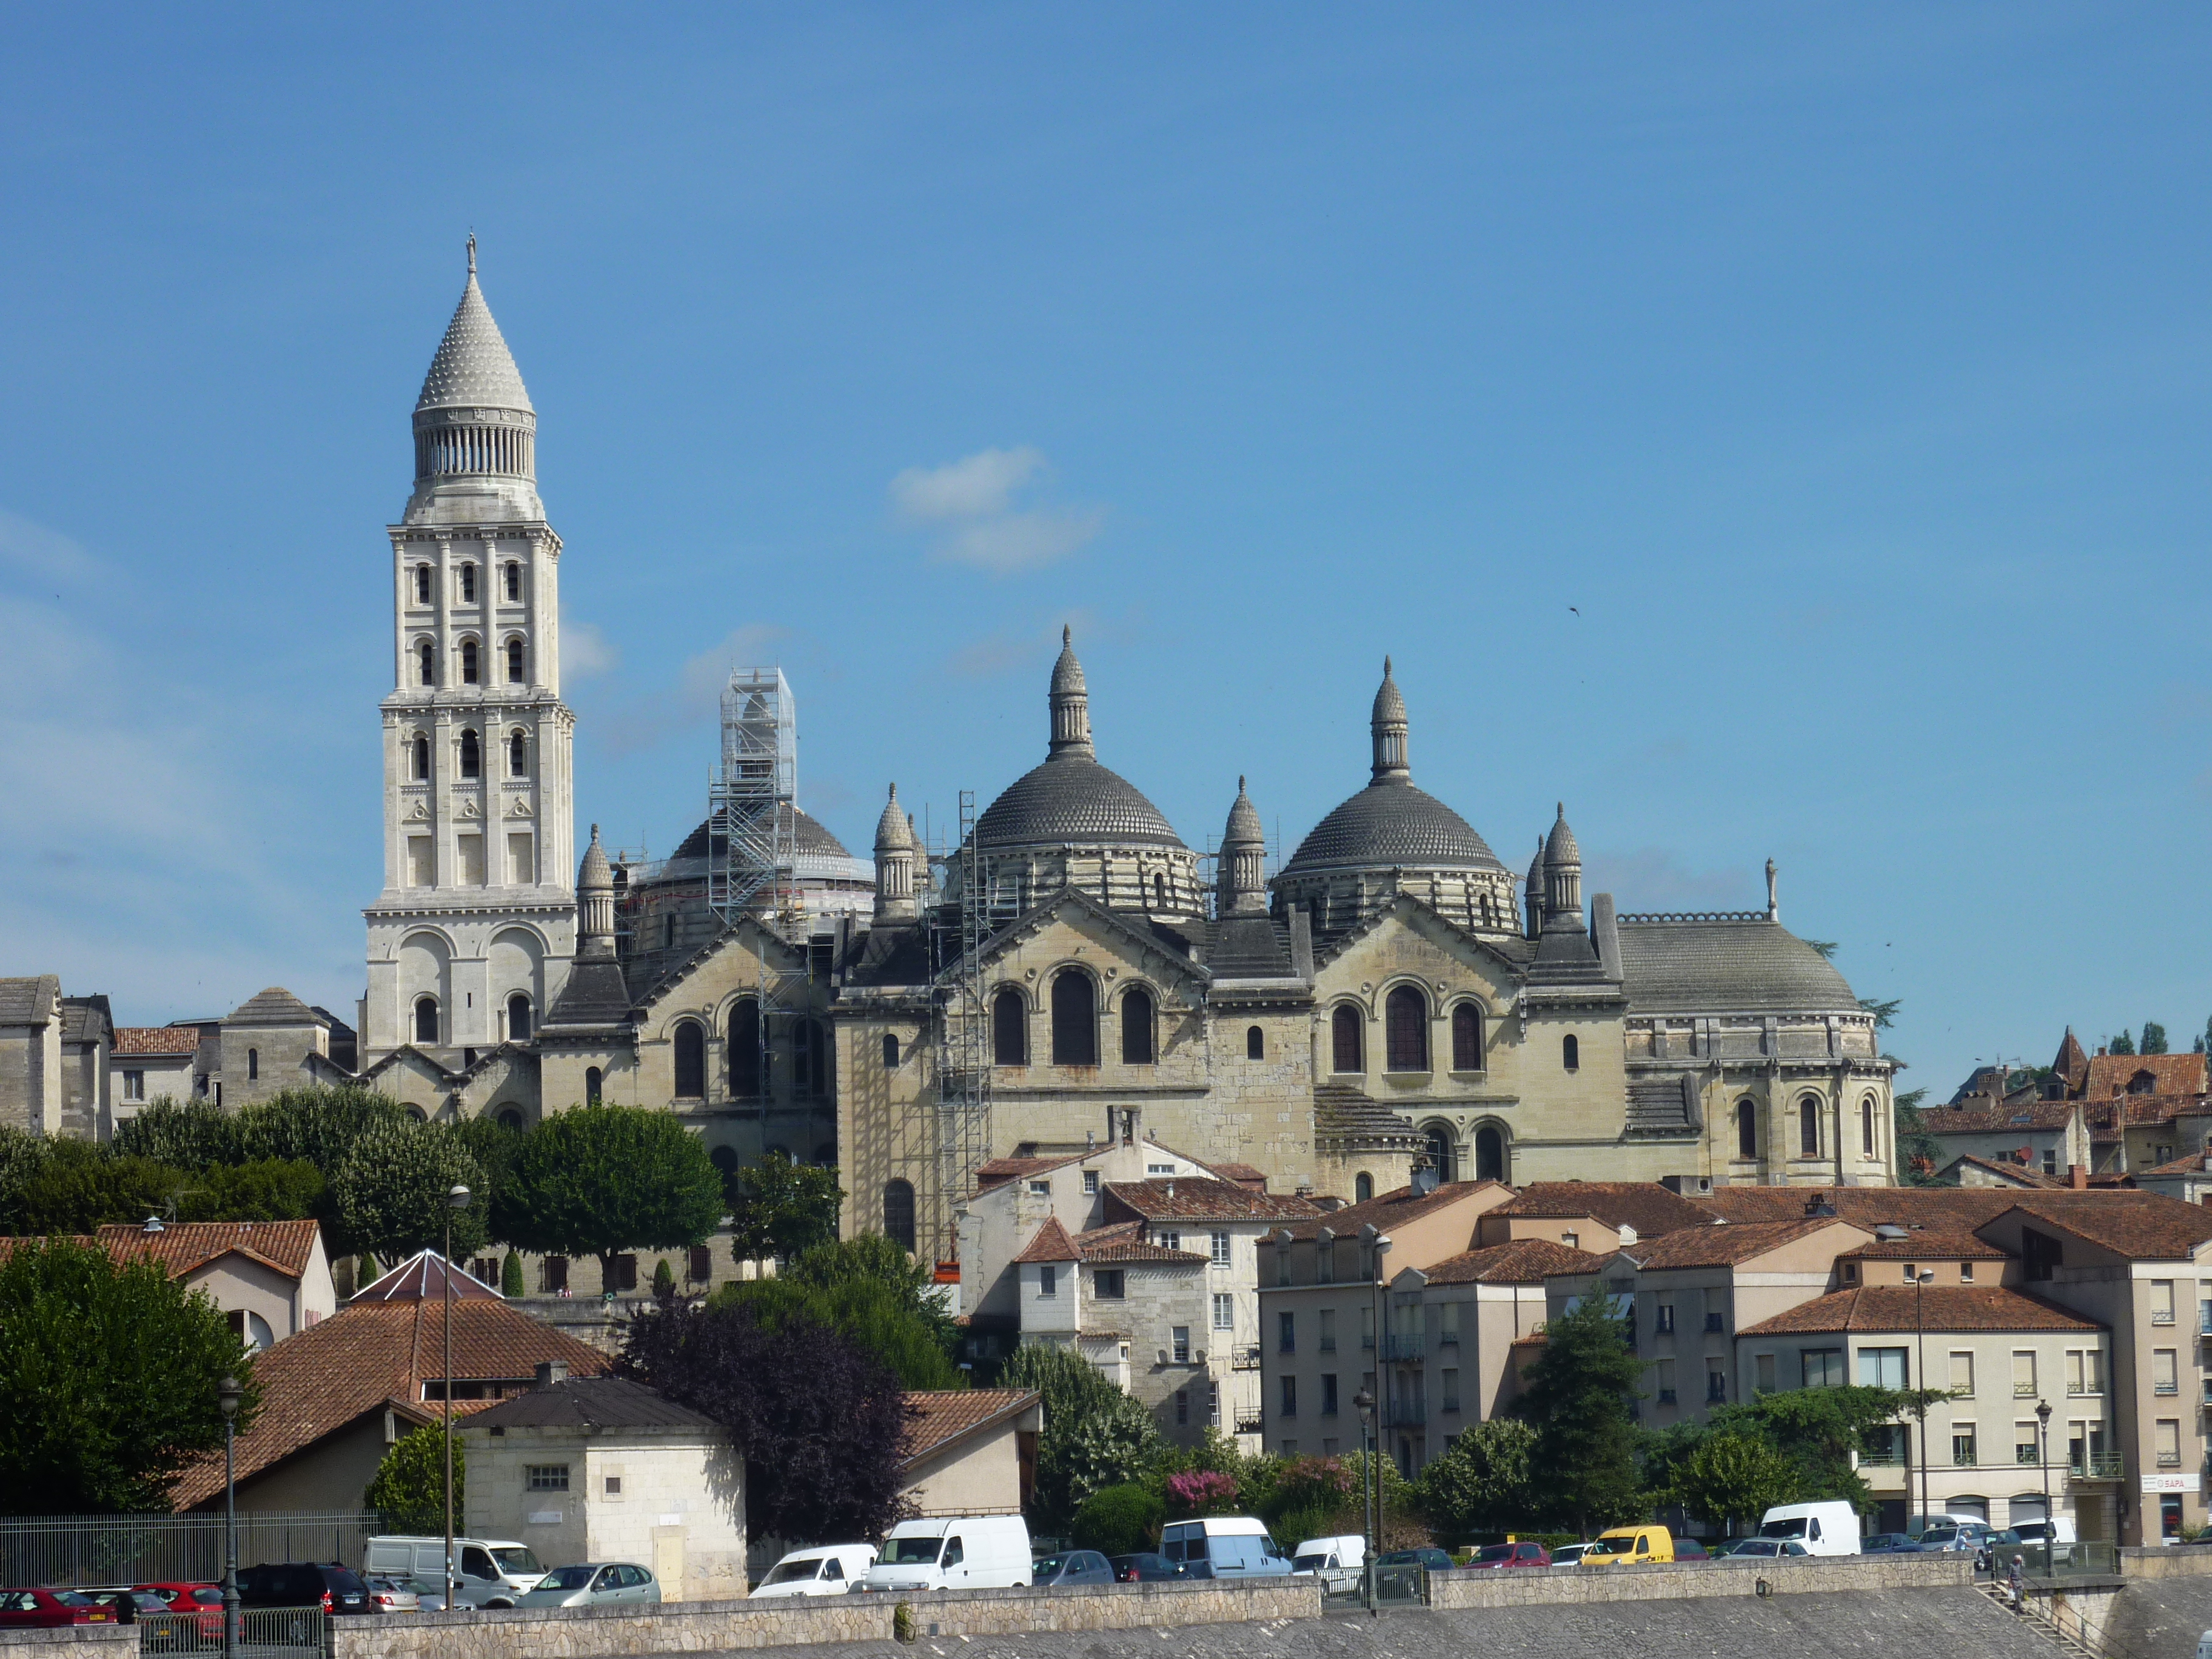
(2050, 1521)
(1378, 1246)
(229, 1393)
(1363, 1403)
(457, 1198)
(1921, 1279)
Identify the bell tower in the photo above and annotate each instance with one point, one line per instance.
(473, 935)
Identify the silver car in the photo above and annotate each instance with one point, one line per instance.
(593, 1584)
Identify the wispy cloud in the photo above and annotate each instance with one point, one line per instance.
(584, 651)
(695, 700)
(47, 554)
(972, 504)
(1656, 879)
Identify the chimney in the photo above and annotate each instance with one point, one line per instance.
(550, 1371)
(2077, 1177)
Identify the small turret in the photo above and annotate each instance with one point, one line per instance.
(595, 904)
(895, 899)
(1388, 724)
(1240, 883)
(1563, 876)
(1534, 891)
(1071, 703)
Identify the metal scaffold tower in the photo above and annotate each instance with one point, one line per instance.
(963, 1026)
(751, 821)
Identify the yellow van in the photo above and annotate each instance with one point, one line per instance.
(1630, 1547)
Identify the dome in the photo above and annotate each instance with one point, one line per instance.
(1244, 828)
(473, 367)
(1067, 673)
(809, 839)
(891, 833)
(1071, 798)
(1392, 825)
(1561, 849)
(595, 872)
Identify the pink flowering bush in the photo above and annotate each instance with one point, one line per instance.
(1201, 1492)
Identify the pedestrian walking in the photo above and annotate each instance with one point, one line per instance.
(2017, 1581)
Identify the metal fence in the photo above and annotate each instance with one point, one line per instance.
(263, 1632)
(65, 1551)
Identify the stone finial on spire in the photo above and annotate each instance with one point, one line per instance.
(1071, 703)
(894, 850)
(1387, 724)
(1240, 879)
(1773, 904)
(472, 254)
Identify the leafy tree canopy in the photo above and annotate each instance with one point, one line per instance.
(1121, 1520)
(1577, 1399)
(1734, 1476)
(2153, 1040)
(866, 1288)
(601, 1180)
(2122, 1044)
(1815, 1430)
(1095, 1435)
(391, 1192)
(410, 1488)
(781, 1209)
(1919, 1154)
(107, 1381)
(1485, 1481)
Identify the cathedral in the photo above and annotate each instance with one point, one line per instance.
(1071, 975)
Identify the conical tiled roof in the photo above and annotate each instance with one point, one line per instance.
(1561, 849)
(473, 367)
(1067, 674)
(596, 872)
(891, 833)
(1244, 821)
(1390, 703)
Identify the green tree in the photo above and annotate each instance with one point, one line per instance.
(494, 1147)
(1816, 1431)
(2153, 1040)
(1729, 1476)
(391, 1190)
(866, 1289)
(2122, 1044)
(664, 1278)
(1577, 1399)
(79, 1186)
(22, 1155)
(272, 1189)
(107, 1381)
(190, 1134)
(510, 1276)
(781, 1209)
(319, 1122)
(410, 1488)
(1485, 1481)
(1095, 1435)
(1121, 1520)
(1919, 1154)
(600, 1180)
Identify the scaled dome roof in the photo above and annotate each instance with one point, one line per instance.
(1071, 798)
(1392, 825)
(473, 367)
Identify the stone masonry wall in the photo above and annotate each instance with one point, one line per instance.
(1568, 1585)
(75, 1642)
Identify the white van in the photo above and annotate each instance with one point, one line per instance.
(960, 1551)
(1224, 1547)
(825, 1570)
(2058, 1532)
(488, 1573)
(1830, 1527)
(1338, 1562)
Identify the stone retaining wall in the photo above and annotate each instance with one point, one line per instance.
(1532, 1586)
(716, 1627)
(75, 1642)
(2167, 1561)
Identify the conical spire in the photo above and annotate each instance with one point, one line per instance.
(1560, 848)
(1241, 881)
(1388, 725)
(473, 367)
(894, 851)
(1071, 703)
(1536, 890)
(890, 829)
(595, 903)
(1563, 876)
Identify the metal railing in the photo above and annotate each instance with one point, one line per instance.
(2027, 1455)
(1395, 1346)
(2101, 1466)
(64, 1550)
(263, 1632)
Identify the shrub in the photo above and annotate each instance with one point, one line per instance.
(1120, 1520)
(1201, 1492)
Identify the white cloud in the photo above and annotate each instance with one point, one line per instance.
(972, 500)
(42, 552)
(584, 651)
(697, 699)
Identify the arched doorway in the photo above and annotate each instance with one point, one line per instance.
(1489, 1154)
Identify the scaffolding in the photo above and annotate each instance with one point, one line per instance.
(956, 935)
(751, 816)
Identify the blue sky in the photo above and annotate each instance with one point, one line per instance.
(1774, 431)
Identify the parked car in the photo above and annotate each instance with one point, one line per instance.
(126, 1604)
(824, 1569)
(1493, 1556)
(2058, 1534)
(488, 1573)
(1142, 1568)
(49, 1609)
(1953, 1540)
(393, 1594)
(1990, 1546)
(1828, 1528)
(1339, 1561)
(1073, 1567)
(1620, 1547)
(1886, 1543)
(1224, 1547)
(1766, 1549)
(186, 1596)
(1568, 1555)
(1689, 1549)
(335, 1589)
(968, 1552)
(593, 1584)
(1434, 1560)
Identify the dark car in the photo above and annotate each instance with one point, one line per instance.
(335, 1589)
(1492, 1556)
(1434, 1560)
(1689, 1549)
(1886, 1543)
(50, 1609)
(1143, 1568)
(1074, 1567)
(1766, 1549)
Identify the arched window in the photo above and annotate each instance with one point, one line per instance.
(898, 1213)
(811, 1049)
(514, 579)
(418, 1115)
(510, 1117)
(518, 756)
(690, 1060)
(252, 1063)
(422, 584)
(1074, 1018)
(591, 1085)
(1406, 1031)
(1136, 1026)
(1489, 1154)
(422, 767)
(468, 574)
(1159, 891)
(1808, 1127)
(426, 660)
(1443, 1152)
(471, 756)
(890, 1051)
(468, 662)
(1363, 1187)
(1255, 1043)
(1571, 1052)
(1344, 1032)
(518, 1017)
(514, 662)
(1747, 1128)
(1467, 1038)
(1869, 1138)
(1010, 1032)
(745, 1050)
(426, 1020)
(724, 1158)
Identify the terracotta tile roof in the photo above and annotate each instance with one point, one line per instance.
(2146, 1227)
(1886, 1307)
(2170, 1074)
(2187, 1164)
(1644, 1205)
(156, 1039)
(1126, 1241)
(936, 1417)
(1244, 1174)
(1391, 1209)
(329, 1375)
(1727, 1246)
(182, 1246)
(2072, 1063)
(2029, 1116)
(2019, 1175)
(422, 1277)
(997, 1171)
(1929, 1244)
(1051, 1243)
(1869, 1206)
(1520, 1262)
(1187, 1199)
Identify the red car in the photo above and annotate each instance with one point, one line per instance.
(49, 1609)
(1512, 1555)
(205, 1600)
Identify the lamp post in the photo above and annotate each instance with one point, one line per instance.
(1378, 1246)
(457, 1198)
(229, 1393)
(1363, 1403)
(2049, 1520)
(1920, 1282)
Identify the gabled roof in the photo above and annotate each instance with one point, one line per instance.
(334, 1372)
(2014, 1174)
(1745, 965)
(1930, 1244)
(1906, 1206)
(2143, 1226)
(936, 1417)
(1187, 1198)
(2027, 1117)
(274, 1007)
(1126, 1241)
(2170, 1074)
(1887, 1308)
(87, 1019)
(1392, 1209)
(1726, 1246)
(1051, 1243)
(31, 1001)
(1145, 935)
(177, 1040)
(184, 1247)
(422, 1277)
(1518, 1261)
(592, 1403)
(1510, 950)
(1646, 1206)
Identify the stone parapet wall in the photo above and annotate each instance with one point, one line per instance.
(2167, 1561)
(75, 1642)
(717, 1626)
(1528, 1587)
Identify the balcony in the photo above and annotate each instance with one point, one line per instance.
(1964, 1457)
(2097, 1466)
(1404, 1348)
(2085, 1390)
(1405, 1414)
(2027, 1455)
(2166, 1386)
(1244, 1359)
(2169, 1460)
(1251, 1426)
(2020, 1391)
(1885, 1457)
(1327, 1345)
